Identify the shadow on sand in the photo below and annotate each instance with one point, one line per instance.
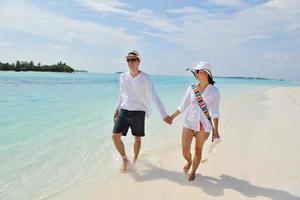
(211, 185)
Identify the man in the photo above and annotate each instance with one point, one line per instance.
(136, 94)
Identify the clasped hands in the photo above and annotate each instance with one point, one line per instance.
(168, 119)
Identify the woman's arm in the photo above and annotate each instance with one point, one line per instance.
(216, 129)
(183, 105)
(175, 114)
(216, 114)
(185, 102)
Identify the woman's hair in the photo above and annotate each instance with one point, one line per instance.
(210, 80)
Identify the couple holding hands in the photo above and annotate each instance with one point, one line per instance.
(200, 102)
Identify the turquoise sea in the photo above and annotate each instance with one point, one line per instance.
(55, 128)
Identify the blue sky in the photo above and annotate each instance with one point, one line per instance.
(238, 37)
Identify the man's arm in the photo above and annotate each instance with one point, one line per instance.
(120, 99)
(159, 105)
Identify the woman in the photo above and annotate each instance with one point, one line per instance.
(196, 122)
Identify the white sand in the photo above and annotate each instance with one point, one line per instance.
(259, 157)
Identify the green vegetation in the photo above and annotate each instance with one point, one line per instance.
(30, 66)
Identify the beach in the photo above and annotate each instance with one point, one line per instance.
(56, 141)
(258, 157)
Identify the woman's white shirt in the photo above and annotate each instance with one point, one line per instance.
(194, 114)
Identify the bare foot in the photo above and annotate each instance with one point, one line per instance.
(125, 165)
(135, 159)
(186, 167)
(192, 176)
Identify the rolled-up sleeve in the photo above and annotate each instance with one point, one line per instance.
(185, 102)
(215, 112)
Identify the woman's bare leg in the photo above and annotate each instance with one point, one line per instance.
(201, 137)
(187, 137)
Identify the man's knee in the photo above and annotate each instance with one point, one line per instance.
(116, 136)
(138, 139)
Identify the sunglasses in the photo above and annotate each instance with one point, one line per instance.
(198, 71)
(132, 60)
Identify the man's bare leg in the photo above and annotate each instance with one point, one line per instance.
(137, 147)
(121, 149)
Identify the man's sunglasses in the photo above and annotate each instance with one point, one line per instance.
(132, 60)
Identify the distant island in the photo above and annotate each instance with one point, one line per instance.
(248, 78)
(81, 71)
(30, 66)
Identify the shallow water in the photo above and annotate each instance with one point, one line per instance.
(55, 128)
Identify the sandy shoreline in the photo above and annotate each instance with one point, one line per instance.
(259, 157)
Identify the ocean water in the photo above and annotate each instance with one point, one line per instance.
(55, 128)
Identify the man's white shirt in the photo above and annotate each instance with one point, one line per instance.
(137, 93)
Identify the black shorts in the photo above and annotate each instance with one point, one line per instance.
(133, 119)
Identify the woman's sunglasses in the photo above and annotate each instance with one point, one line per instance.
(198, 71)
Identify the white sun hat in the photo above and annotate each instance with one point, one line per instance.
(203, 65)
